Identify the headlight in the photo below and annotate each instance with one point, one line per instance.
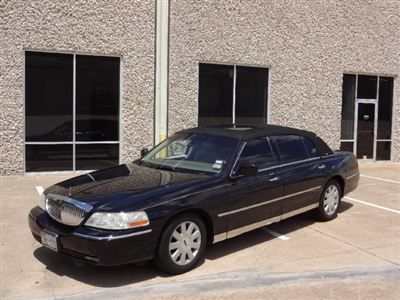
(115, 221)
(42, 201)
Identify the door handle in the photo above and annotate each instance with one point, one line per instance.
(276, 178)
(320, 167)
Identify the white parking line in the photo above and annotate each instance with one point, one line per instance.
(373, 205)
(39, 189)
(275, 234)
(383, 179)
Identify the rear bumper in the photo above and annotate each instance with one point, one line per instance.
(106, 248)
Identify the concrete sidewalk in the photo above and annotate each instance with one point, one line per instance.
(356, 255)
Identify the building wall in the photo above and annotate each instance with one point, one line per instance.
(307, 45)
(125, 28)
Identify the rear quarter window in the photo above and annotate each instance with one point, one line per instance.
(310, 147)
(291, 148)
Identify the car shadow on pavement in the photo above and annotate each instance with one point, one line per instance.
(134, 273)
(97, 275)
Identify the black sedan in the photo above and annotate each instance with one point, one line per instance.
(200, 186)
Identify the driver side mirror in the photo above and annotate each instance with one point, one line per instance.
(143, 152)
(246, 170)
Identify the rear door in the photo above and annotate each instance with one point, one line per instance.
(302, 172)
(253, 199)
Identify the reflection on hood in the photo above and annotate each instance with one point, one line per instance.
(123, 178)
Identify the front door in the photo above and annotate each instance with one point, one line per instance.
(254, 200)
(365, 130)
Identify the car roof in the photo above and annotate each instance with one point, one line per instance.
(248, 132)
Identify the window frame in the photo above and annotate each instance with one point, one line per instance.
(235, 65)
(73, 142)
(276, 154)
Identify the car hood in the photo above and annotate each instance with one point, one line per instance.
(127, 179)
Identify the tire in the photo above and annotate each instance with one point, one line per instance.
(175, 254)
(329, 201)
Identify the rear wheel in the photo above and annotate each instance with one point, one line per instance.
(182, 244)
(329, 201)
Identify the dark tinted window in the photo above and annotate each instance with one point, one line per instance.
(383, 150)
(258, 152)
(310, 147)
(367, 87)
(348, 98)
(251, 95)
(291, 148)
(49, 91)
(97, 98)
(385, 107)
(215, 94)
(218, 84)
(96, 156)
(346, 146)
(48, 106)
(40, 158)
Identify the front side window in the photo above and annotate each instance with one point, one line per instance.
(71, 125)
(291, 148)
(230, 94)
(259, 153)
(195, 153)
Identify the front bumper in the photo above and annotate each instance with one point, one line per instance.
(100, 247)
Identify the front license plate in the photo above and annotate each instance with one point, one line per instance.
(49, 240)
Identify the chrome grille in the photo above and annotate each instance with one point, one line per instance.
(66, 210)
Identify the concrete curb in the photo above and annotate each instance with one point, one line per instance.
(231, 281)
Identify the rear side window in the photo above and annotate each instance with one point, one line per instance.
(310, 147)
(291, 148)
(258, 152)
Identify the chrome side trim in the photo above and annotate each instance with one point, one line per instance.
(110, 237)
(289, 164)
(219, 237)
(351, 176)
(299, 211)
(232, 233)
(239, 231)
(267, 202)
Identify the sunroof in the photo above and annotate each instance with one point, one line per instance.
(240, 128)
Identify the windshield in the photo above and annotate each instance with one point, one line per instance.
(198, 153)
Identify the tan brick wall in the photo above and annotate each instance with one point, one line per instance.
(124, 28)
(308, 45)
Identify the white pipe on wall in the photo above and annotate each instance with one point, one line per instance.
(161, 76)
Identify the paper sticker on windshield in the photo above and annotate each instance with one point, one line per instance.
(218, 164)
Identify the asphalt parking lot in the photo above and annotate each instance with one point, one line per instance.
(357, 255)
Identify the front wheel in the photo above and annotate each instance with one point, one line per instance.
(329, 201)
(182, 244)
